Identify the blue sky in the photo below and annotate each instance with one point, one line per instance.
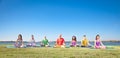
(53, 17)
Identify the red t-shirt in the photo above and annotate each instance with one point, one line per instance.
(60, 41)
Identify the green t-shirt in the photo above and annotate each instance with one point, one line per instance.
(45, 42)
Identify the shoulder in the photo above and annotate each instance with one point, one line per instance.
(43, 40)
(94, 40)
(17, 39)
(62, 38)
(57, 39)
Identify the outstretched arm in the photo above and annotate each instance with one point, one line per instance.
(94, 43)
(71, 43)
(16, 41)
(47, 42)
(89, 44)
(81, 43)
(64, 42)
(22, 42)
(101, 43)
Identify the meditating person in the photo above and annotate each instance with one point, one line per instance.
(98, 43)
(74, 42)
(32, 42)
(19, 42)
(60, 42)
(85, 42)
(45, 42)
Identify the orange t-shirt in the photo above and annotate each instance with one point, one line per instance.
(60, 41)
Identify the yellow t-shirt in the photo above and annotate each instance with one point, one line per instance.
(85, 42)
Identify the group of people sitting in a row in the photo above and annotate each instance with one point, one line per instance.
(60, 42)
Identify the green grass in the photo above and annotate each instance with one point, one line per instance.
(58, 52)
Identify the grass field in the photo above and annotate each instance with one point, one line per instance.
(58, 52)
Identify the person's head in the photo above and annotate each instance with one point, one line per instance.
(97, 37)
(74, 38)
(45, 37)
(32, 37)
(20, 37)
(60, 36)
(84, 37)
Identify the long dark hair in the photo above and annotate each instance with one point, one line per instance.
(97, 36)
(74, 38)
(20, 36)
(32, 37)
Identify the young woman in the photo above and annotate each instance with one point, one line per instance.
(60, 42)
(32, 42)
(98, 44)
(45, 42)
(19, 42)
(74, 42)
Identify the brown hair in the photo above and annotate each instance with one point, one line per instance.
(97, 36)
(32, 37)
(74, 38)
(20, 36)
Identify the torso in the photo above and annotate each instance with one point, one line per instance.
(73, 43)
(97, 42)
(32, 41)
(84, 42)
(45, 41)
(60, 41)
(19, 42)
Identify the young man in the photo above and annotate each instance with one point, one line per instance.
(60, 42)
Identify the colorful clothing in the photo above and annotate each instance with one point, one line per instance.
(60, 41)
(32, 43)
(97, 43)
(45, 42)
(18, 44)
(85, 42)
(73, 43)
